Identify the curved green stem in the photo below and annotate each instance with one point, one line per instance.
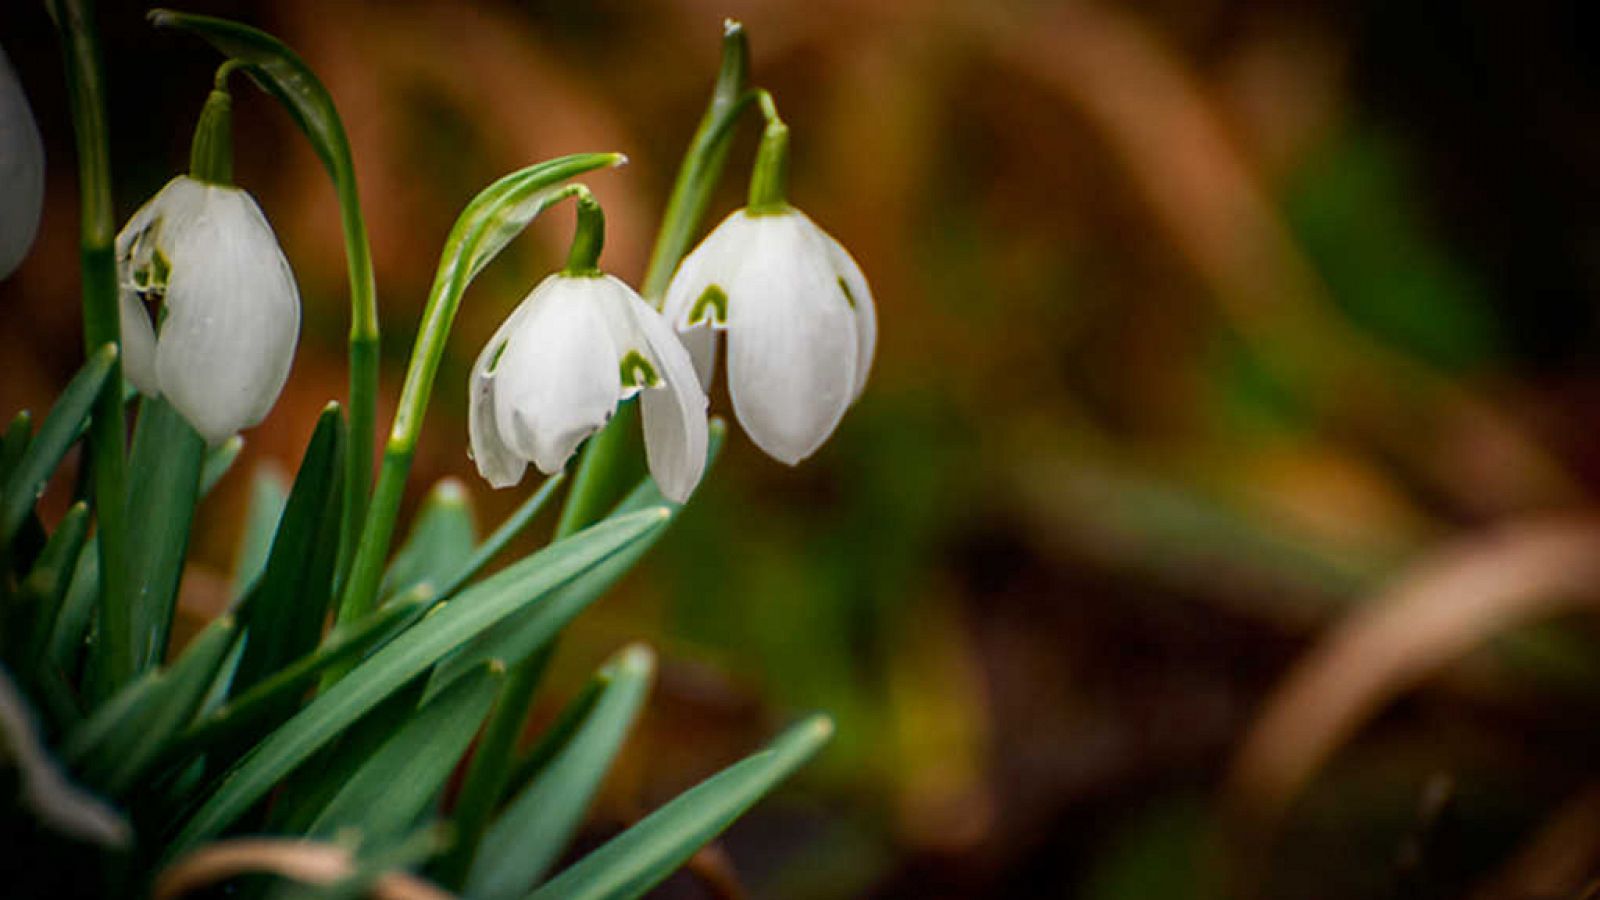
(583, 259)
(769, 183)
(211, 152)
(80, 45)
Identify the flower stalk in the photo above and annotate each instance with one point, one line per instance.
(80, 45)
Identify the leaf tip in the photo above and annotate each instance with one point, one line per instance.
(636, 659)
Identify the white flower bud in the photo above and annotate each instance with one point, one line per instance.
(21, 171)
(799, 319)
(555, 371)
(224, 340)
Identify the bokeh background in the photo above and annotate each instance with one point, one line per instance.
(1219, 517)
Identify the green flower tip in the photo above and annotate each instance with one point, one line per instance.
(717, 426)
(618, 160)
(731, 27)
(496, 667)
(636, 659)
(162, 18)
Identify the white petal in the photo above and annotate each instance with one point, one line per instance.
(557, 382)
(675, 413)
(495, 460)
(860, 300)
(791, 340)
(21, 171)
(138, 343)
(232, 311)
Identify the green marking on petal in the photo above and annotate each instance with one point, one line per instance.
(498, 352)
(713, 299)
(848, 297)
(637, 371)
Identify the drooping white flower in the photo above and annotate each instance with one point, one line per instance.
(799, 319)
(225, 331)
(556, 369)
(21, 171)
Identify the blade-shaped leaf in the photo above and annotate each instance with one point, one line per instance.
(405, 658)
(286, 609)
(180, 690)
(57, 433)
(528, 838)
(15, 443)
(126, 732)
(77, 609)
(441, 540)
(397, 783)
(166, 457)
(641, 857)
(41, 592)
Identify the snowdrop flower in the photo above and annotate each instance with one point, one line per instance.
(796, 309)
(555, 371)
(21, 171)
(227, 310)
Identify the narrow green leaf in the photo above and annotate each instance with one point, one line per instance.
(640, 858)
(179, 692)
(15, 443)
(406, 657)
(555, 737)
(219, 460)
(42, 591)
(529, 837)
(396, 784)
(522, 635)
(58, 432)
(166, 458)
(286, 609)
(71, 623)
(441, 540)
(269, 493)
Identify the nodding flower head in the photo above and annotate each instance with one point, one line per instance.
(227, 312)
(555, 371)
(21, 171)
(799, 321)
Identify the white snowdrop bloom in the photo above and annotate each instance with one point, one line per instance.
(21, 171)
(222, 341)
(799, 320)
(555, 371)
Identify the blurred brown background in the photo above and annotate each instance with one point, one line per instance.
(1218, 516)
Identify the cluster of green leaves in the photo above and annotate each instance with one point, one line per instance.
(270, 721)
